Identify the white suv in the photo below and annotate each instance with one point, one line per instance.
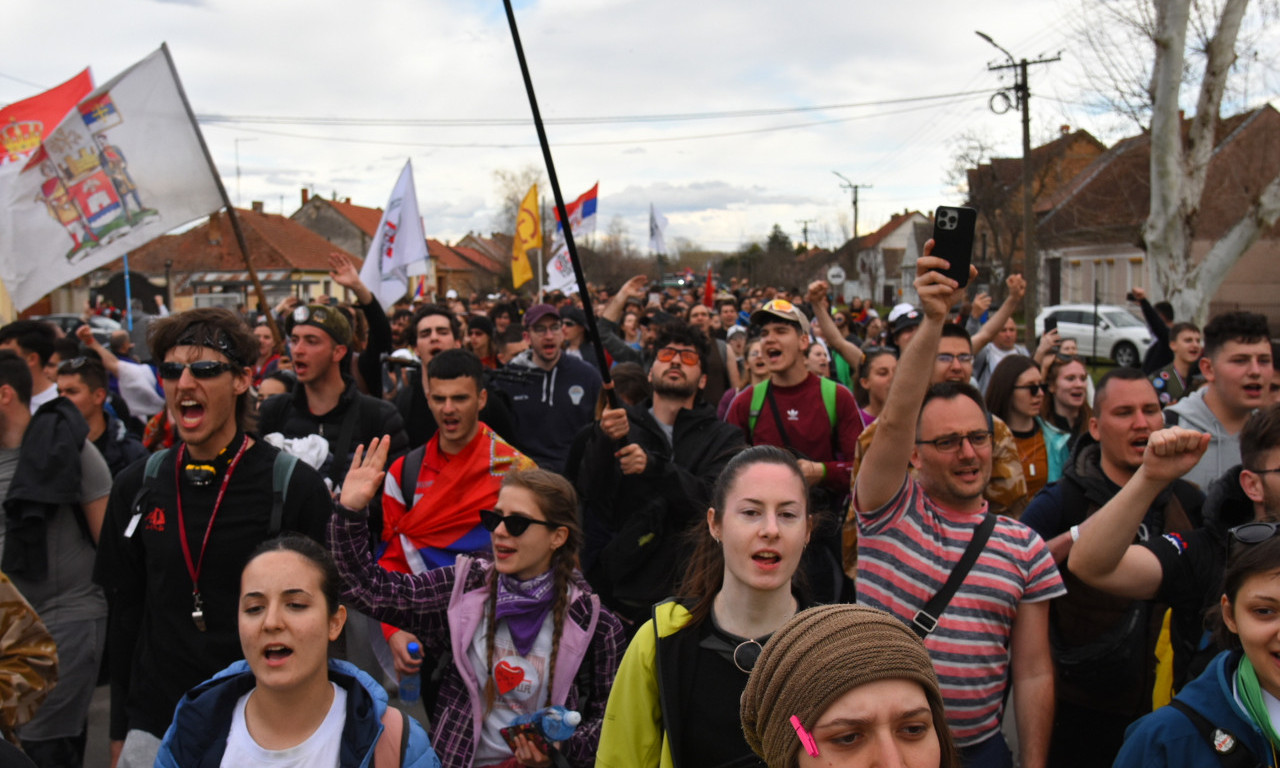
(1120, 335)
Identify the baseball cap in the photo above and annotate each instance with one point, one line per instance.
(539, 311)
(780, 309)
(906, 320)
(327, 319)
(735, 330)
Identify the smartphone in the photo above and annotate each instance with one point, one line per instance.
(953, 240)
(1050, 324)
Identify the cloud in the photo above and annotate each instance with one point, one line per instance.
(699, 196)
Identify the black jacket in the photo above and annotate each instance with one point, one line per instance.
(635, 549)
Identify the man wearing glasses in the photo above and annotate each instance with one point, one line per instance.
(913, 532)
(176, 538)
(557, 394)
(1105, 643)
(646, 475)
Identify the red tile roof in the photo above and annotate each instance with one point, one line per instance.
(366, 219)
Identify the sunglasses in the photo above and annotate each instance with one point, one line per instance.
(687, 356)
(1034, 389)
(1068, 358)
(201, 369)
(72, 365)
(1249, 534)
(516, 524)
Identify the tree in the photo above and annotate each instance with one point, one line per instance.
(1180, 163)
(511, 187)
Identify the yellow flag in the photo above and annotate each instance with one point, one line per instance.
(528, 235)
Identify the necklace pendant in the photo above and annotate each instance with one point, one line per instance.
(198, 617)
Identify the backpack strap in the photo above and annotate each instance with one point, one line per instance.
(149, 476)
(829, 398)
(410, 468)
(758, 393)
(1231, 752)
(926, 619)
(281, 473)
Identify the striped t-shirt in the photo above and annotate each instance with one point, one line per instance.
(906, 550)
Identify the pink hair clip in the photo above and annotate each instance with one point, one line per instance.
(806, 738)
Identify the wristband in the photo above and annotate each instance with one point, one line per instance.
(1075, 533)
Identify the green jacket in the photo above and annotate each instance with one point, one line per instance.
(1055, 443)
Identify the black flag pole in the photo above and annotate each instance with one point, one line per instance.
(585, 294)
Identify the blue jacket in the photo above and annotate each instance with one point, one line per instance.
(198, 735)
(1055, 445)
(1167, 739)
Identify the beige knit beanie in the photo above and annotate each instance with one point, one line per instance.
(814, 659)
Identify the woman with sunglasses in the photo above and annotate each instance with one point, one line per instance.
(1232, 710)
(676, 699)
(1067, 407)
(1016, 394)
(524, 630)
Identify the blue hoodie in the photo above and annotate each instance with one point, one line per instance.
(198, 735)
(1167, 739)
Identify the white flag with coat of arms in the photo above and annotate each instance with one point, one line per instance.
(398, 242)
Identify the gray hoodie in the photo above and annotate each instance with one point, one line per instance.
(1191, 412)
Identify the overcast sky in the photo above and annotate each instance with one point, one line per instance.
(721, 180)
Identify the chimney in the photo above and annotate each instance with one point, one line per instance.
(306, 195)
(257, 206)
(1065, 129)
(347, 200)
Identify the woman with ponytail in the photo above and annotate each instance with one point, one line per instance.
(523, 631)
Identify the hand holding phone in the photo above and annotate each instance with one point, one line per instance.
(953, 229)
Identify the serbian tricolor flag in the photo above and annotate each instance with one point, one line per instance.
(582, 212)
(582, 220)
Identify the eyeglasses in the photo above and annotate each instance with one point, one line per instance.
(1034, 389)
(201, 369)
(516, 524)
(1252, 533)
(542, 330)
(1068, 358)
(948, 358)
(687, 356)
(951, 443)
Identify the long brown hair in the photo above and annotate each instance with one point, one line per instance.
(705, 574)
(559, 504)
(1051, 371)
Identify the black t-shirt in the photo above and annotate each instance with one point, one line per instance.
(156, 652)
(1192, 565)
(713, 732)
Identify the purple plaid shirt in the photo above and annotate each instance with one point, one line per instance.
(419, 604)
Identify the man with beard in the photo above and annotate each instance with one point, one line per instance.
(646, 475)
(1105, 645)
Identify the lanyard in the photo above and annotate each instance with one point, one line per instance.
(193, 568)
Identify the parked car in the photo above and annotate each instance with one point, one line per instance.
(1120, 335)
(101, 326)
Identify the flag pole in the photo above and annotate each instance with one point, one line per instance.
(128, 295)
(581, 279)
(226, 201)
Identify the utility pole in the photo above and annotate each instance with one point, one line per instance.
(804, 228)
(853, 266)
(1022, 99)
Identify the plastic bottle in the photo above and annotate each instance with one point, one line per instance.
(411, 685)
(555, 723)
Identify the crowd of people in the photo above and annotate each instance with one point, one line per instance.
(757, 527)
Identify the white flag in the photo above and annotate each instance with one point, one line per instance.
(398, 243)
(124, 167)
(657, 231)
(560, 275)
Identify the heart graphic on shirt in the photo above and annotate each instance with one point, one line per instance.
(507, 676)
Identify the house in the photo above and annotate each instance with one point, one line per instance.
(466, 270)
(878, 267)
(1089, 233)
(350, 227)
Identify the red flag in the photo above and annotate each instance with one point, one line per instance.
(24, 124)
(709, 292)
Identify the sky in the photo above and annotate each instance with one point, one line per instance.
(336, 96)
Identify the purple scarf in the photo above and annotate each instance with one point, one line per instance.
(524, 604)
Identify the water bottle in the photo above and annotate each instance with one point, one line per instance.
(411, 685)
(555, 723)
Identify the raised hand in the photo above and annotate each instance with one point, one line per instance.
(365, 476)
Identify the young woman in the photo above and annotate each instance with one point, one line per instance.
(1229, 708)
(847, 686)
(524, 630)
(874, 335)
(675, 700)
(288, 703)
(268, 353)
(631, 330)
(756, 372)
(1067, 406)
(480, 341)
(1016, 394)
(874, 377)
(818, 360)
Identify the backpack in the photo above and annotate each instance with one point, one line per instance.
(281, 472)
(761, 390)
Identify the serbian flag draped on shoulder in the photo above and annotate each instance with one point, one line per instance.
(124, 167)
(582, 219)
(399, 242)
(528, 236)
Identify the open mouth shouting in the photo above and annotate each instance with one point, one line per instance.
(276, 654)
(191, 413)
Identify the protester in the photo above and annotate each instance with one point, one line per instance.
(875, 376)
(676, 699)
(845, 356)
(287, 702)
(32, 340)
(554, 395)
(83, 381)
(857, 683)
(756, 370)
(1002, 333)
(646, 476)
(1158, 318)
(480, 340)
(1015, 394)
(1238, 368)
(371, 340)
(173, 585)
(1225, 714)
(269, 348)
(818, 360)
(1066, 407)
(505, 622)
(1173, 381)
(1105, 646)
(136, 382)
(944, 432)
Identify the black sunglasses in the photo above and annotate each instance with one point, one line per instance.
(72, 365)
(1032, 389)
(1068, 358)
(201, 369)
(516, 524)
